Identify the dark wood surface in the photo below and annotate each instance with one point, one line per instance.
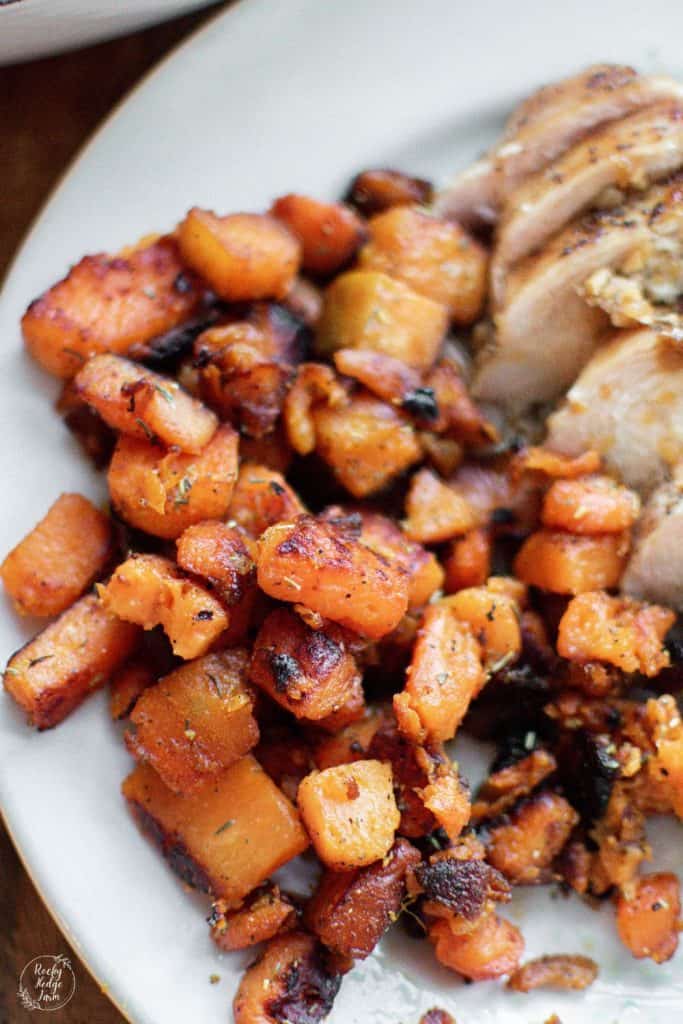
(48, 108)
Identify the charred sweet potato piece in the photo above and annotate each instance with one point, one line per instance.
(351, 910)
(524, 848)
(410, 775)
(329, 233)
(262, 498)
(622, 843)
(195, 721)
(59, 559)
(468, 562)
(568, 563)
(71, 658)
(315, 384)
(350, 743)
(366, 443)
(648, 920)
(143, 404)
(446, 672)
(289, 982)
(493, 618)
(389, 379)
(623, 632)
(127, 685)
(285, 755)
(265, 913)
(379, 189)
(493, 948)
(164, 492)
(559, 971)
(243, 256)
(350, 813)
(434, 511)
(446, 797)
(228, 836)
(107, 304)
(221, 555)
(435, 257)
(504, 788)
(556, 466)
(590, 504)
(664, 767)
(462, 890)
(310, 672)
(369, 310)
(151, 591)
(319, 565)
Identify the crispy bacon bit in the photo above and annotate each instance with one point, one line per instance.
(559, 971)
(463, 887)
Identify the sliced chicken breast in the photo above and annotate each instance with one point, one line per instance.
(655, 569)
(627, 404)
(542, 128)
(623, 155)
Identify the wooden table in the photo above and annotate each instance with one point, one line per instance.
(47, 109)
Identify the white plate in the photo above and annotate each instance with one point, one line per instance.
(269, 98)
(36, 28)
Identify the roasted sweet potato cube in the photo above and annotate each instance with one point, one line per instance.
(367, 309)
(388, 378)
(59, 559)
(127, 685)
(329, 233)
(196, 721)
(266, 912)
(310, 672)
(315, 384)
(351, 910)
(379, 189)
(319, 565)
(228, 836)
(151, 591)
(468, 562)
(262, 497)
(107, 304)
(163, 492)
(73, 656)
(435, 257)
(366, 443)
(350, 813)
(144, 404)
(648, 918)
(591, 504)
(222, 556)
(568, 563)
(243, 256)
(524, 848)
(493, 617)
(493, 948)
(434, 511)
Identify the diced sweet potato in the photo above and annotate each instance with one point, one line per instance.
(554, 465)
(350, 813)
(319, 565)
(351, 910)
(265, 913)
(447, 799)
(315, 384)
(434, 511)
(164, 492)
(127, 685)
(494, 620)
(310, 672)
(71, 658)
(366, 309)
(623, 632)
(196, 721)
(648, 921)
(329, 233)
(568, 563)
(289, 982)
(221, 555)
(591, 504)
(366, 443)
(351, 743)
(504, 788)
(490, 950)
(524, 848)
(144, 404)
(243, 256)
(388, 378)
(151, 591)
(664, 767)
(468, 563)
(379, 189)
(228, 836)
(262, 498)
(446, 672)
(435, 257)
(107, 304)
(59, 559)
(559, 971)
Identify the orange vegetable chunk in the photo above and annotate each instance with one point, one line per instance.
(648, 921)
(329, 233)
(468, 563)
(494, 620)
(265, 913)
(524, 847)
(435, 511)
(568, 563)
(127, 685)
(221, 555)
(494, 947)
(262, 497)
(59, 559)
(591, 504)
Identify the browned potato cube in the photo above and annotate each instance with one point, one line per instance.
(243, 256)
(350, 813)
(262, 497)
(228, 836)
(73, 656)
(329, 233)
(195, 721)
(367, 309)
(223, 556)
(59, 559)
(107, 304)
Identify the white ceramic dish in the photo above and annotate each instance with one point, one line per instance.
(36, 28)
(268, 98)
